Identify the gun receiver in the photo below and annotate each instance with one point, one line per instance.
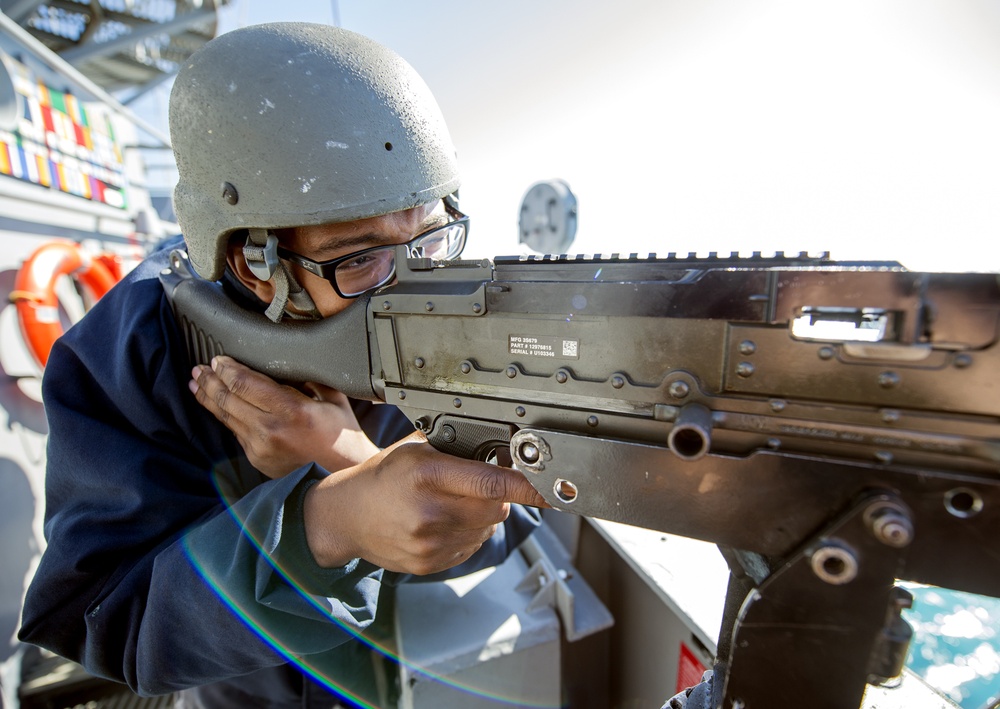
(837, 423)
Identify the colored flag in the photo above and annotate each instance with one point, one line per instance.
(44, 170)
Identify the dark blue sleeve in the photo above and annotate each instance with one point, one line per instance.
(168, 555)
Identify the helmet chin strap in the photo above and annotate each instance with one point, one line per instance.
(261, 254)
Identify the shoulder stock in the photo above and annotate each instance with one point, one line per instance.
(333, 351)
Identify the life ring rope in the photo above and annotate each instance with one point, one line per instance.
(34, 293)
(18, 295)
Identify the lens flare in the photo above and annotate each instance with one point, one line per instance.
(312, 666)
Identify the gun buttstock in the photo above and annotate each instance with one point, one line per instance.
(333, 351)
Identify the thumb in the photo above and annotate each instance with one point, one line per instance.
(321, 392)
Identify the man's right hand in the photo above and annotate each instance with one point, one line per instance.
(281, 428)
(411, 509)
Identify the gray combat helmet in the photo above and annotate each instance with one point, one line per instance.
(295, 124)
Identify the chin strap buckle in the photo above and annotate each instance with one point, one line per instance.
(261, 253)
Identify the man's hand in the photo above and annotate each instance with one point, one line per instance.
(411, 509)
(279, 427)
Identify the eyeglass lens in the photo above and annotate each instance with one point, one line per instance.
(376, 267)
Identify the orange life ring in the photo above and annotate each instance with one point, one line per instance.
(35, 296)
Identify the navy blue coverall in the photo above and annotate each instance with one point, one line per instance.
(171, 562)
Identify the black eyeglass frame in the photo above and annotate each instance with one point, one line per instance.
(328, 269)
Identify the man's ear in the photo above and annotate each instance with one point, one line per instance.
(238, 265)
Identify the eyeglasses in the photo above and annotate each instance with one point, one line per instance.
(362, 271)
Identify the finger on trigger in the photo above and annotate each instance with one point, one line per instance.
(519, 490)
(490, 482)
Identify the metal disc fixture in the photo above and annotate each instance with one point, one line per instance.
(547, 222)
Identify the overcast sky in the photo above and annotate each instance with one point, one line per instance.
(864, 127)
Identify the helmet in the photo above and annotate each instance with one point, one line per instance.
(293, 124)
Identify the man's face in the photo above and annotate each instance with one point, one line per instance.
(329, 241)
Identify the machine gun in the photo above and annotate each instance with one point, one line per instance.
(833, 427)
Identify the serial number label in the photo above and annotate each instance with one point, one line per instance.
(539, 346)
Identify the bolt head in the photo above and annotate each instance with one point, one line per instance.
(888, 380)
(893, 531)
(529, 453)
(679, 390)
(229, 194)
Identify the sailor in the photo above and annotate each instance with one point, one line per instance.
(211, 532)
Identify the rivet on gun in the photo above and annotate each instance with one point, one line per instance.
(428, 306)
(890, 526)
(748, 347)
(774, 443)
(401, 394)
(592, 421)
(744, 369)
(963, 502)
(448, 434)
(562, 376)
(888, 380)
(778, 405)
(419, 363)
(884, 457)
(529, 453)
(456, 402)
(834, 565)
(825, 352)
(890, 415)
(962, 361)
(466, 367)
(511, 371)
(229, 193)
(477, 308)
(618, 381)
(520, 411)
(679, 390)
(386, 305)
